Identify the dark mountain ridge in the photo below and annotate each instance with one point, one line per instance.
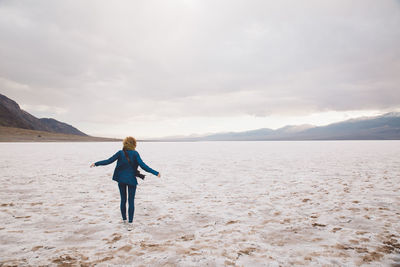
(11, 115)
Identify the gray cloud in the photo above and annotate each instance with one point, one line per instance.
(93, 61)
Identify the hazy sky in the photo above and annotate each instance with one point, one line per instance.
(159, 68)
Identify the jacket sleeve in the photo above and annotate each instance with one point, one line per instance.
(108, 161)
(143, 165)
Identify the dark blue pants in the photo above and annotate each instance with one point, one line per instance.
(131, 200)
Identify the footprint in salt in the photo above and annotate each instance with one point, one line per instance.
(247, 251)
(354, 242)
(36, 248)
(7, 205)
(21, 217)
(107, 258)
(114, 238)
(152, 246)
(361, 232)
(373, 256)
(187, 237)
(125, 248)
(231, 222)
(318, 225)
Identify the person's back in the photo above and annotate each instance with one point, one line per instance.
(128, 160)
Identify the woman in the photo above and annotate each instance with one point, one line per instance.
(128, 160)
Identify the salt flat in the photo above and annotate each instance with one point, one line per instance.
(328, 203)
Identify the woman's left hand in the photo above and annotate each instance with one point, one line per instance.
(91, 166)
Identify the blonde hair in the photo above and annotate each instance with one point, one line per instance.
(129, 143)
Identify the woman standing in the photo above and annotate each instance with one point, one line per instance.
(128, 160)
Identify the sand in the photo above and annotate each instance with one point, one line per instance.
(217, 204)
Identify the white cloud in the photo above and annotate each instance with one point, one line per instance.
(12, 85)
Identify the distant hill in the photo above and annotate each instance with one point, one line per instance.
(11, 115)
(384, 127)
(11, 134)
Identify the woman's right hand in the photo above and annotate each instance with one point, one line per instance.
(159, 175)
(91, 166)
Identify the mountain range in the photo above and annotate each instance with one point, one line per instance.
(11, 115)
(383, 127)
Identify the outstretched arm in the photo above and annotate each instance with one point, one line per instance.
(144, 166)
(107, 161)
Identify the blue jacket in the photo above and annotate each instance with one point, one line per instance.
(125, 172)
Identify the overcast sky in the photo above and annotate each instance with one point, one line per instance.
(161, 68)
